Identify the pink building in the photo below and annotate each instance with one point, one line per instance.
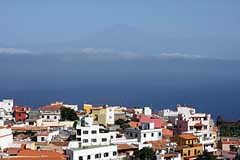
(158, 123)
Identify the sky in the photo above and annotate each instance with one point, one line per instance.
(155, 53)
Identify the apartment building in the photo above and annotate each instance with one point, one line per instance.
(93, 142)
(6, 106)
(145, 132)
(188, 145)
(50, 113)
(103, 115)
(202, 126)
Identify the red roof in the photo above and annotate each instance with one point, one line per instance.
(27, 154)
(54, 107)
(167, 132)
(43, 133)
(126, 147)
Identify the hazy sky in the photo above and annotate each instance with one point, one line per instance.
(122, 52)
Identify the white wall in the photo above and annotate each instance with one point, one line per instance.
(90, 135)
(143, 135)
(147, 111)
(54, 117)
(7, 105)
(110, 115)
(75, 153)
(71, 106)
(6, 137)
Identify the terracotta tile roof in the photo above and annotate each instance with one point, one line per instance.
(3, 127)
(133, 124)
(54, 107)
(28, 128)
(167, 132)
(187, 136)
(27, 154)
(126, 147)
(168, 155)
(156, 145)
(45, 133)
(13, 151)
(39, 154)
(65, 143)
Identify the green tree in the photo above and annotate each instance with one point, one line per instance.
(68, 114)
(207, 156)
(144, 154)
(123, 124)
(119, 122)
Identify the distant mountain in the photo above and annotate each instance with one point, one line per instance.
(118, 36)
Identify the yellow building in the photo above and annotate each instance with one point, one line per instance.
(188, 145)
(87, 108)
(103, 115)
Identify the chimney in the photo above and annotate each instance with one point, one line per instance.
(23, 147)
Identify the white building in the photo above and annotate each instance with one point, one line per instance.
(50, 113)
(6, 137)
(7, 105)
(46, 136)
(145, 132)
(93, 142)
(200, 125)
(147, 111)
(5, 115)
(92, 152)
(89, 134)
(6, 109)
(71, 106)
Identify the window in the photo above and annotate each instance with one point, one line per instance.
(191, 127)
(136, 135)
(189, 152)
(97, 156)
(159, 134)
(88, 157)
(85, 132)
(19, 114)
(55, 117)
(152, 134)
(42, 138)
(85, 140)
(110, 117)
(195, 151)
(111, 137)
(114, 153)
(48, 117)
(94, 132)
(104, 139)
(78, 131)
(130, 134)
(42, 116)
(94, 140)
(144, 135)
(80, 158)
(205, 127)
(78, 139)
(105, 154)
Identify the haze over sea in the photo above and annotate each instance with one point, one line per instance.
(129, 53)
